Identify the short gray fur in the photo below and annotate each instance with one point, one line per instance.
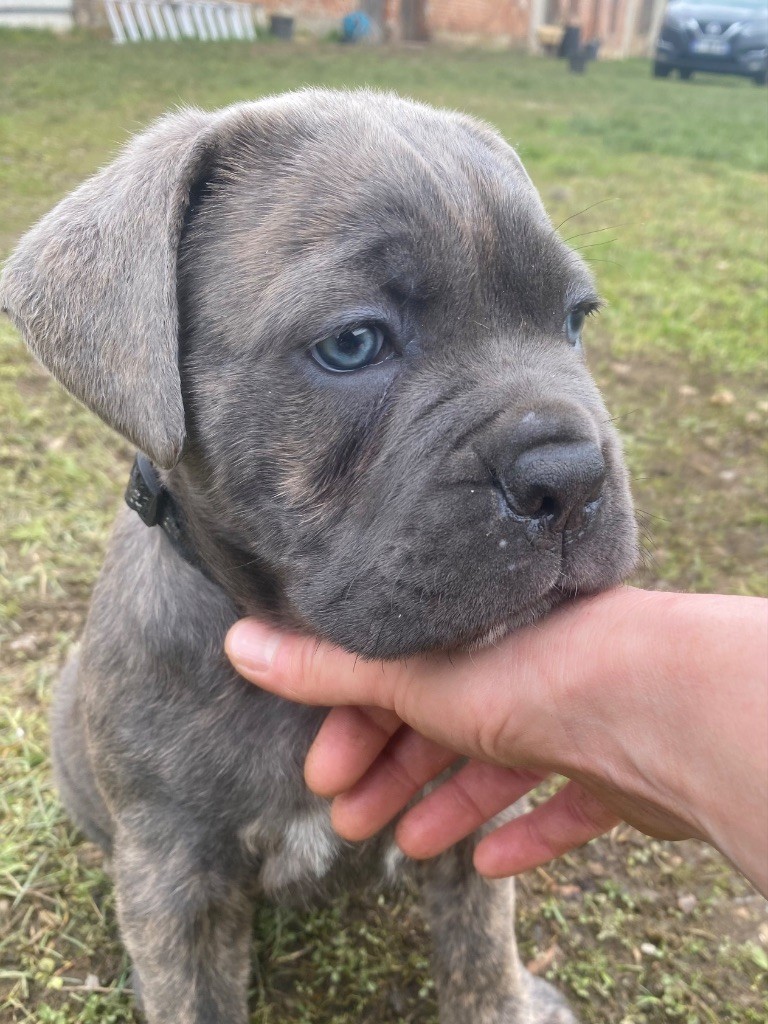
(177, 293)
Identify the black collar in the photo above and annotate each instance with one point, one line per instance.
(156, 506)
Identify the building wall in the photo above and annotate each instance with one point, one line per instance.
(499, 20)
(623, 26)
(314, 15)
(503, 21)
(310, 10)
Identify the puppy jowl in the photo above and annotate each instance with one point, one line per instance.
(348, 342)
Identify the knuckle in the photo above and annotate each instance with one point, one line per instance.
(401, 775)
(394, 689)
(303, 665)
(464, 798)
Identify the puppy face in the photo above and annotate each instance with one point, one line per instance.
(345, 325)
(392, 438)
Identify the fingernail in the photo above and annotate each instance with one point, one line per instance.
(252, 646)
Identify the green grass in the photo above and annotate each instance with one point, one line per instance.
(676, 175)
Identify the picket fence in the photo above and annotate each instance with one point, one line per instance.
(134, 21)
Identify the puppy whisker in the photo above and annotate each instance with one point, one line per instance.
(595, 231)
(573, 216)
(593, 245)
(594, 259)
(653, 515)
(621, 416)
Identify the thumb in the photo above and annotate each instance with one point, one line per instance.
(306, 671)
(457, 702)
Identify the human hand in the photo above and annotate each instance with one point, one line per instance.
(555, 697)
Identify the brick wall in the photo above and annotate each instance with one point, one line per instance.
(497, 20)
(502, 21)
(310, 11)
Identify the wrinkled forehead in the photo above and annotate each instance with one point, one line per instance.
(420, 209)
(388, 187)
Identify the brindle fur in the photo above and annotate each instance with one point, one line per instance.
(177, 293)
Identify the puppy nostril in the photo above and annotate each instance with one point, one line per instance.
(547, 507)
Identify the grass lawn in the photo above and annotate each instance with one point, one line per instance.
(663, 185)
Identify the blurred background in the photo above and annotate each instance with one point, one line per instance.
(644, 127)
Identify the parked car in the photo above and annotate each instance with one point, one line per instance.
(725, 36)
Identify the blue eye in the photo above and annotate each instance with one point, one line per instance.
(350, 350)
(574, 324)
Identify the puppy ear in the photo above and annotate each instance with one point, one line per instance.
(92, 287)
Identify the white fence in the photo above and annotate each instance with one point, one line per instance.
(136, 20)
(55, 15)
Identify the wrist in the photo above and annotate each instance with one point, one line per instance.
(629, 704)
(580, 677)
(722, 676)
(676, 716)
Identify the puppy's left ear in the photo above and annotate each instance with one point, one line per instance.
(92, 287)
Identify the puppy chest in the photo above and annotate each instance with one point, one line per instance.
(296, 848)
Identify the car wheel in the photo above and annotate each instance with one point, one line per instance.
(686, 74)
(661, 70)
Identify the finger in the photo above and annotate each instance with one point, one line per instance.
(406, 766)
(304, 670)
(459, 806)
(349, 741)
(569, 819)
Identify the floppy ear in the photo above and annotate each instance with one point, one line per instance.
(92, 287)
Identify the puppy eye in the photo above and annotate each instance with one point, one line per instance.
(351, 349)
(574, 324)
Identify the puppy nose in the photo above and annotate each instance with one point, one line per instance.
(553, 483)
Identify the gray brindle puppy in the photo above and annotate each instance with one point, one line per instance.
(344, 330)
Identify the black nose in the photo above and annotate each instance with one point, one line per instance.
(554, 483)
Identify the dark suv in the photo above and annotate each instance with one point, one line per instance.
(725, 36)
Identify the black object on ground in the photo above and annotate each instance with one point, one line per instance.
(580, 58)
(570, 44)
(281, 26)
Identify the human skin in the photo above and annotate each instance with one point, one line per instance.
(654, 706)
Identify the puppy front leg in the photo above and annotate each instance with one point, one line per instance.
(186, 923)
(478, 973)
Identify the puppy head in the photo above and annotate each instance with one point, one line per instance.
(348, 325)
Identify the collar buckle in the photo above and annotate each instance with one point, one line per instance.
(145, 493)
(155, 505)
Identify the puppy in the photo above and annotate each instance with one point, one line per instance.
(348, 339)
